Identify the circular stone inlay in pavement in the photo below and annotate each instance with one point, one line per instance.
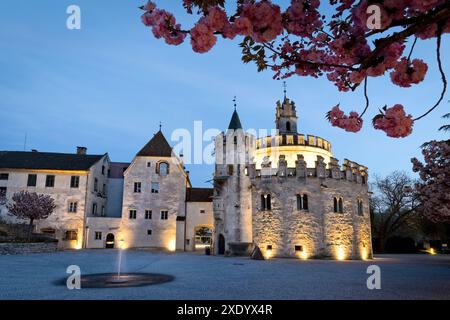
(112, 280)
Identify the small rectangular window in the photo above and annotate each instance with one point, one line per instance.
(164, 215)
(148, 214)
(98, 235)
(149, 232)
(266, 202)
(298, 248)
(73, 207)
(302, 202)
(50, 181)
(103, 211)
(95, 184)
(202, 211)
(32, 178)
(74, 181)
(132, 214)
(71, 235)
(94, 209)
(137, 187)
(155, 187)
(269, 247)
(149, 164)
(103, 170)
(4, 176)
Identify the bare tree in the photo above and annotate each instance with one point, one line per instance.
(2, 198)
(31, 206)
(394, 206)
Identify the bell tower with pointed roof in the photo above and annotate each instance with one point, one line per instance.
(235, 122)
(286, 115)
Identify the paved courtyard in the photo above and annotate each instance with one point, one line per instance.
(210, 277)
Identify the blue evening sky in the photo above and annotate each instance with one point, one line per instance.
(108, 85)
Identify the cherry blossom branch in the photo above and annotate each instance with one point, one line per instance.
(428, 18)
(314, 63)
(412, 48)
(441, 70)
(381, 44)
(366, 97)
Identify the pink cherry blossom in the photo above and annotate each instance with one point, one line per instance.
(243, 26)
(351, 123)
(360, 15)
(265, 19)
(163, 25)
(216, 19)
(407, 73)
(394, 122)
(434, 189)
(303, 17)
(202, 38)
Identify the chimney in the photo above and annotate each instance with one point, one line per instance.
(81, 151)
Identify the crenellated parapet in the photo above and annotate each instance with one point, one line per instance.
(350, 171)
(293, 140)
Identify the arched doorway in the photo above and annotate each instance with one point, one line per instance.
(203, 237)
(221, 244)
(109, 241)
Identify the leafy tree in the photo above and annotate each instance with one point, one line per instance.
(32, 206)
(434, 187)
(394, 206)
(358, 40)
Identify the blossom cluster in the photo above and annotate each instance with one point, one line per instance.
(351, 123)
(406, 73)
(163, 24)
(394, 122)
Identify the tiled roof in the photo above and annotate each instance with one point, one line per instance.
(156, 147)
(199, 194)
(46, 160)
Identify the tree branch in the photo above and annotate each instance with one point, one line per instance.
(441, 70)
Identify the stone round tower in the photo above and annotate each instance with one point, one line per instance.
(289, 196)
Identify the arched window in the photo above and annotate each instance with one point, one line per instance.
(265, 202)
(162, 169)
(302, 202)
(338, 205)
(360, 207)
(341, 206)
(335, 204)
(288, 126)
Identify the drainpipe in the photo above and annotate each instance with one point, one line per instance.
(185, 218)
(86, 208)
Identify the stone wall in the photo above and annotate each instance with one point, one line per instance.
(61, 220)
(196, 218)
(27, 248)
(319, 231)
(171, 197)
